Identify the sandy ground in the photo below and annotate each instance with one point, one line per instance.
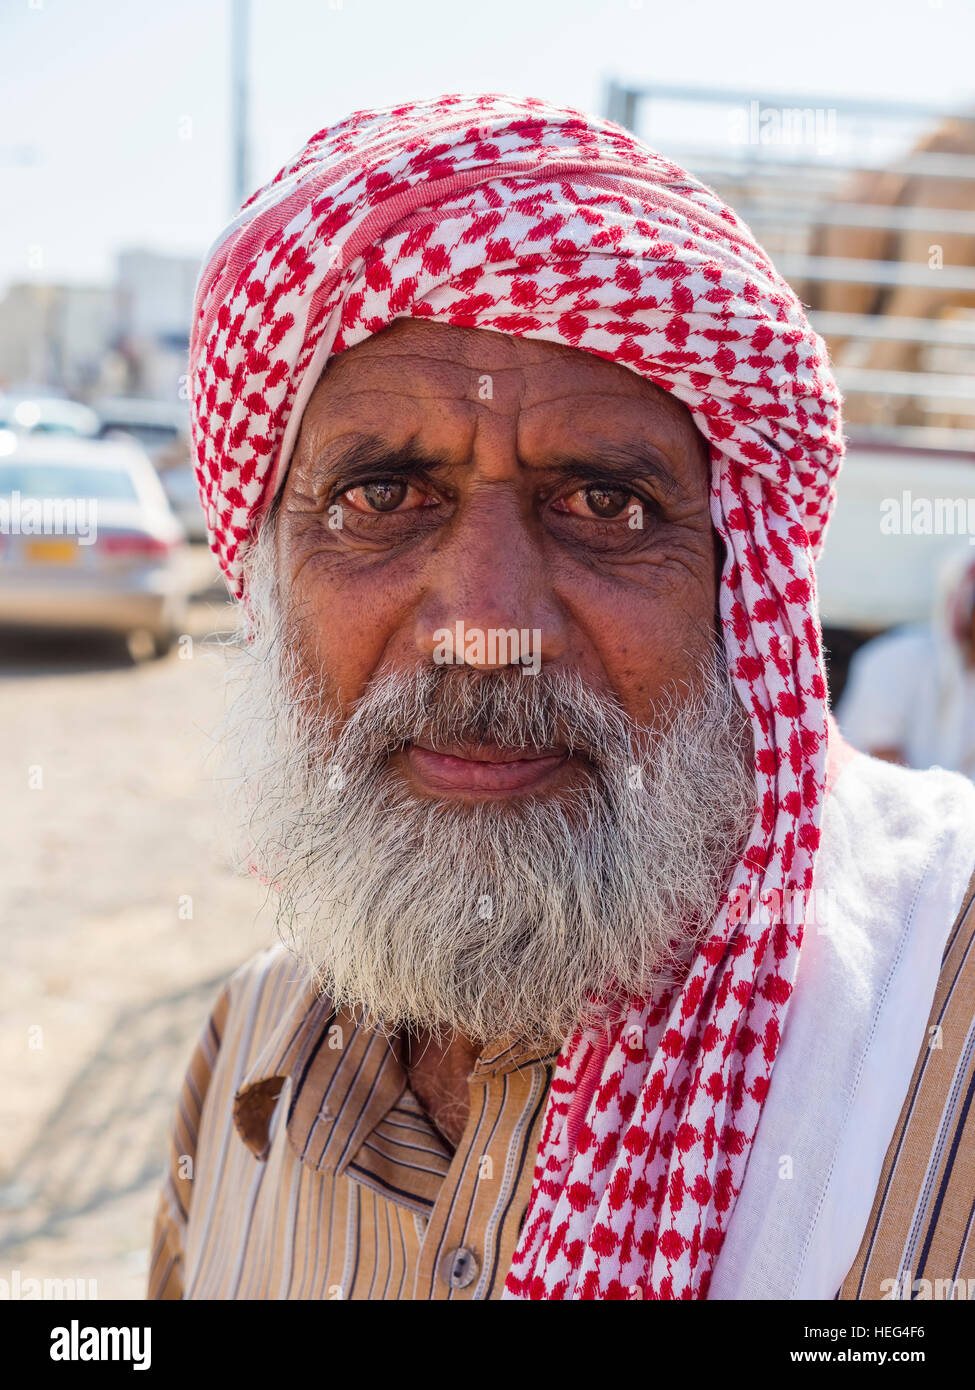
(109, 840)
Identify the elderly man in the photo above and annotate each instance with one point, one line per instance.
(614, 973)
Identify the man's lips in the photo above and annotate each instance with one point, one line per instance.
(483, 769)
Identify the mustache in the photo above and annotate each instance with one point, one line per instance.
(442, 707)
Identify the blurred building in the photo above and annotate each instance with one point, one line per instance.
(57, 335)
(128, 338)
(155, 297)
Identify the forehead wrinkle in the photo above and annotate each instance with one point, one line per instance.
(653, 428)
(529, 395)
(421, 368)
(394, 411)
(475, 352)
(574, 401)
(433, 402)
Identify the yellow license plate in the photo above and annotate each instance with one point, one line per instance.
(52, 552)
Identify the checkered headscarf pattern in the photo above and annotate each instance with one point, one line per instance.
(526, 218)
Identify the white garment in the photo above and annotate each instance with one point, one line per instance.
(907, 690)
(897, 852)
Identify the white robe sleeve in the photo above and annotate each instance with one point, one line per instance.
(879, 703)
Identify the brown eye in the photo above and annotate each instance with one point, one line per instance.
(605, 503)
(384, 496)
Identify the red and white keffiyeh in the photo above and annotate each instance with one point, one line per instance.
(515, 215)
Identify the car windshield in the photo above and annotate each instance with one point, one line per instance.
(57, 480)
(151, 436)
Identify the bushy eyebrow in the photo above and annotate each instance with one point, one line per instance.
(622, 462)
(371, 457)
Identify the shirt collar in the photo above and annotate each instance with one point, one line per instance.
(337, 1081)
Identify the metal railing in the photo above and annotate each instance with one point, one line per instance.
(622, 102)
(893, 219)
(797, 195)
(854, 271)
(742, 168)
(886, 327)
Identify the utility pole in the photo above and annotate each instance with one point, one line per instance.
(621, 104)
(239, 46)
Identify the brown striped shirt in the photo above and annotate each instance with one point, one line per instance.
(316, 1173)
(303, 1167)
(920, 1239)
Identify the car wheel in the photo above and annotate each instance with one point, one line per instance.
(141, 644)
(163, 642)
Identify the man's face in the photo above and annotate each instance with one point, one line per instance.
(448, 476)
(487, 847)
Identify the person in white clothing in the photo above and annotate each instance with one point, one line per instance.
(910, 696)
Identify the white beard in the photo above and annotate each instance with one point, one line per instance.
(524, 919)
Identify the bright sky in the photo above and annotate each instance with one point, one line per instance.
(125, 106)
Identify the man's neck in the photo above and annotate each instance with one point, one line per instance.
(439, 1074)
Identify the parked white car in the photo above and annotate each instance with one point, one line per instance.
(88, 540)
(25, 414)
(158, 426)
(162, 429)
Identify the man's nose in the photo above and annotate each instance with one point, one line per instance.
(487, 581)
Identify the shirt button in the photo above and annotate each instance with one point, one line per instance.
(459, 1267)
